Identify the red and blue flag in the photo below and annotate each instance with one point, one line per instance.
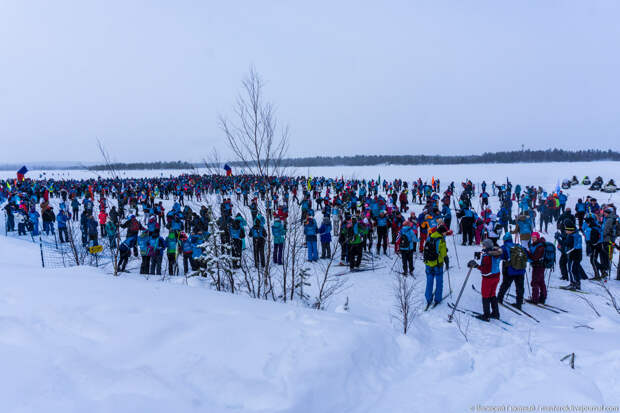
(20, 174)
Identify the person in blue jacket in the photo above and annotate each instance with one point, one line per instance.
(575, 254)
(61, 220)
(33, 215)
(142, 243)
(562, 197)
(187, 247)
(325, 232)
(279, 232)
(580, 211)
(258, 235)
(156, 246)
(511, 274)
(310, 231)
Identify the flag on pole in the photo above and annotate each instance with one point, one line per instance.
(20, 174)
(227, 169)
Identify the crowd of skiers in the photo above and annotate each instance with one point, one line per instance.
(355, 212)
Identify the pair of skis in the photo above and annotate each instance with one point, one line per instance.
(510, 307)
(430, 307)
(361, 269)
(477, 315)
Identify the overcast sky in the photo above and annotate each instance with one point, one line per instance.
(150, 78)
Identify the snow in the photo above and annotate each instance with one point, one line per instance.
(79, 339)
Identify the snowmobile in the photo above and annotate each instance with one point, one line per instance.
(610, 188)
(597, 184)
(566, 184)
(574, 181)
(586, 180)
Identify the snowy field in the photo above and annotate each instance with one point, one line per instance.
(76, 340)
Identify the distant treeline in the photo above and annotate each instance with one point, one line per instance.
(549, 155)
(143, 165)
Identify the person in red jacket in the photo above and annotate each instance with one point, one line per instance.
(536, 254)
(489, 268)
(103, 218)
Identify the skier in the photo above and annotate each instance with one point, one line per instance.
(172, 250)
(536, 254)
(156, 245)
(354, 241)
(279, 233)
(435, 253)
(61, 220)
(514, 265)
(382, 232)
(325, 232)
(610, 229)
(258, 235)
(489, 268)
(405, 246)
(574, 253)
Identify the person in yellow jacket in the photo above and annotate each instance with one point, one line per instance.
(435, 253)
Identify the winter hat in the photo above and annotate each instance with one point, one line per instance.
(507, 237)
(487, 243)
(535, 235)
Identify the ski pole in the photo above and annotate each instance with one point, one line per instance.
(459, 297)
(528, 285)
(456, 253)
(449, 283)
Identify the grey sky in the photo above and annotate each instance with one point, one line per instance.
(150, 77)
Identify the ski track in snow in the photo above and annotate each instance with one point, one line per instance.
(78, 339)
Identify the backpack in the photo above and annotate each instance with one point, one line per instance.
(431, 248)
(518, 257)
(549, 256)
(134, 226)
(405, 242)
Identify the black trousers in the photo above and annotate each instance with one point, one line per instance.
(355, 255)
(468, 232)
(259, 251)
(407, 258)
(124, 258)
(146, 262)
(326, 250)
(382, 239)
(187, 259)
(236, 252)
(507, 281)
(172, 260)
(61, 232)
(277, 253)
(564, 266)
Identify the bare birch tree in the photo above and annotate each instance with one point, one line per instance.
(113, 173)
(259, 145)
(405, 307)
